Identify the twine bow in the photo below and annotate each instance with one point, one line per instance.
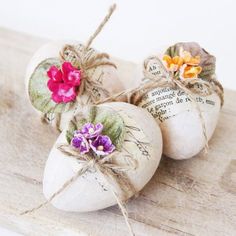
(198, 86)
(113, 173)
(79, 56)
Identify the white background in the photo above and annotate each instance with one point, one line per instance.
(137, 29)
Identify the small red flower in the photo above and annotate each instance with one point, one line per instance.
(64, 82)
(65, 93)
(71, 74)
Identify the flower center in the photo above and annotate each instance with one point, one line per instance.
(91, 130)
(100, 148)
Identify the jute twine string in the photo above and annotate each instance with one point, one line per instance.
(152, 81)
(188, 85)
(113, 173)
(86, 59)
(81, 59)
(100, 27)
(84, 64)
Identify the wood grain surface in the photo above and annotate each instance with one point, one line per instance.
(191, 197)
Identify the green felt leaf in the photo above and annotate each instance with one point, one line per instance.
(207, 60)
(113, 124)
(172, 51)
(75, 124)
(39, 93)
(70, 131)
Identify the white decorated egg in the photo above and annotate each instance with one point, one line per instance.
(187, 118)
(141, 140)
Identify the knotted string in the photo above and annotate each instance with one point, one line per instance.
(193, 85)
(112, 172)
(78, 57)
(84, 58)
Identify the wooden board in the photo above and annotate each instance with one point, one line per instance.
(191, 197)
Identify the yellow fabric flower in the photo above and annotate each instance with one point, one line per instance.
(189, 71)
(185, 63)
(173, 64)
(188, 59)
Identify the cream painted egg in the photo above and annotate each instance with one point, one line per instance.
(132, 130)
(178, 116)
(36, 82)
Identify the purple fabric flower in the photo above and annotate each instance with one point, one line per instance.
(90, 130)
(102, 145)
(81, 143)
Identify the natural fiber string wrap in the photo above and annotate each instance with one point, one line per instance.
(198, 86)
(83, 60)
(86, 59)
(113, 173)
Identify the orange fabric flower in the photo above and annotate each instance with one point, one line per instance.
(189, 71)
(188, 59)
(173, 64)
(185, 63)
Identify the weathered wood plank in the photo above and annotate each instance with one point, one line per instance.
(191, 197)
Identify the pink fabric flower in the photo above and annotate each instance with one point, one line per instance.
(63, 83)
(71, 74)
(65, 93)
(55, 76)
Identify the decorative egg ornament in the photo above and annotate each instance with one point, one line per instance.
(118, 147)
(184, 97)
